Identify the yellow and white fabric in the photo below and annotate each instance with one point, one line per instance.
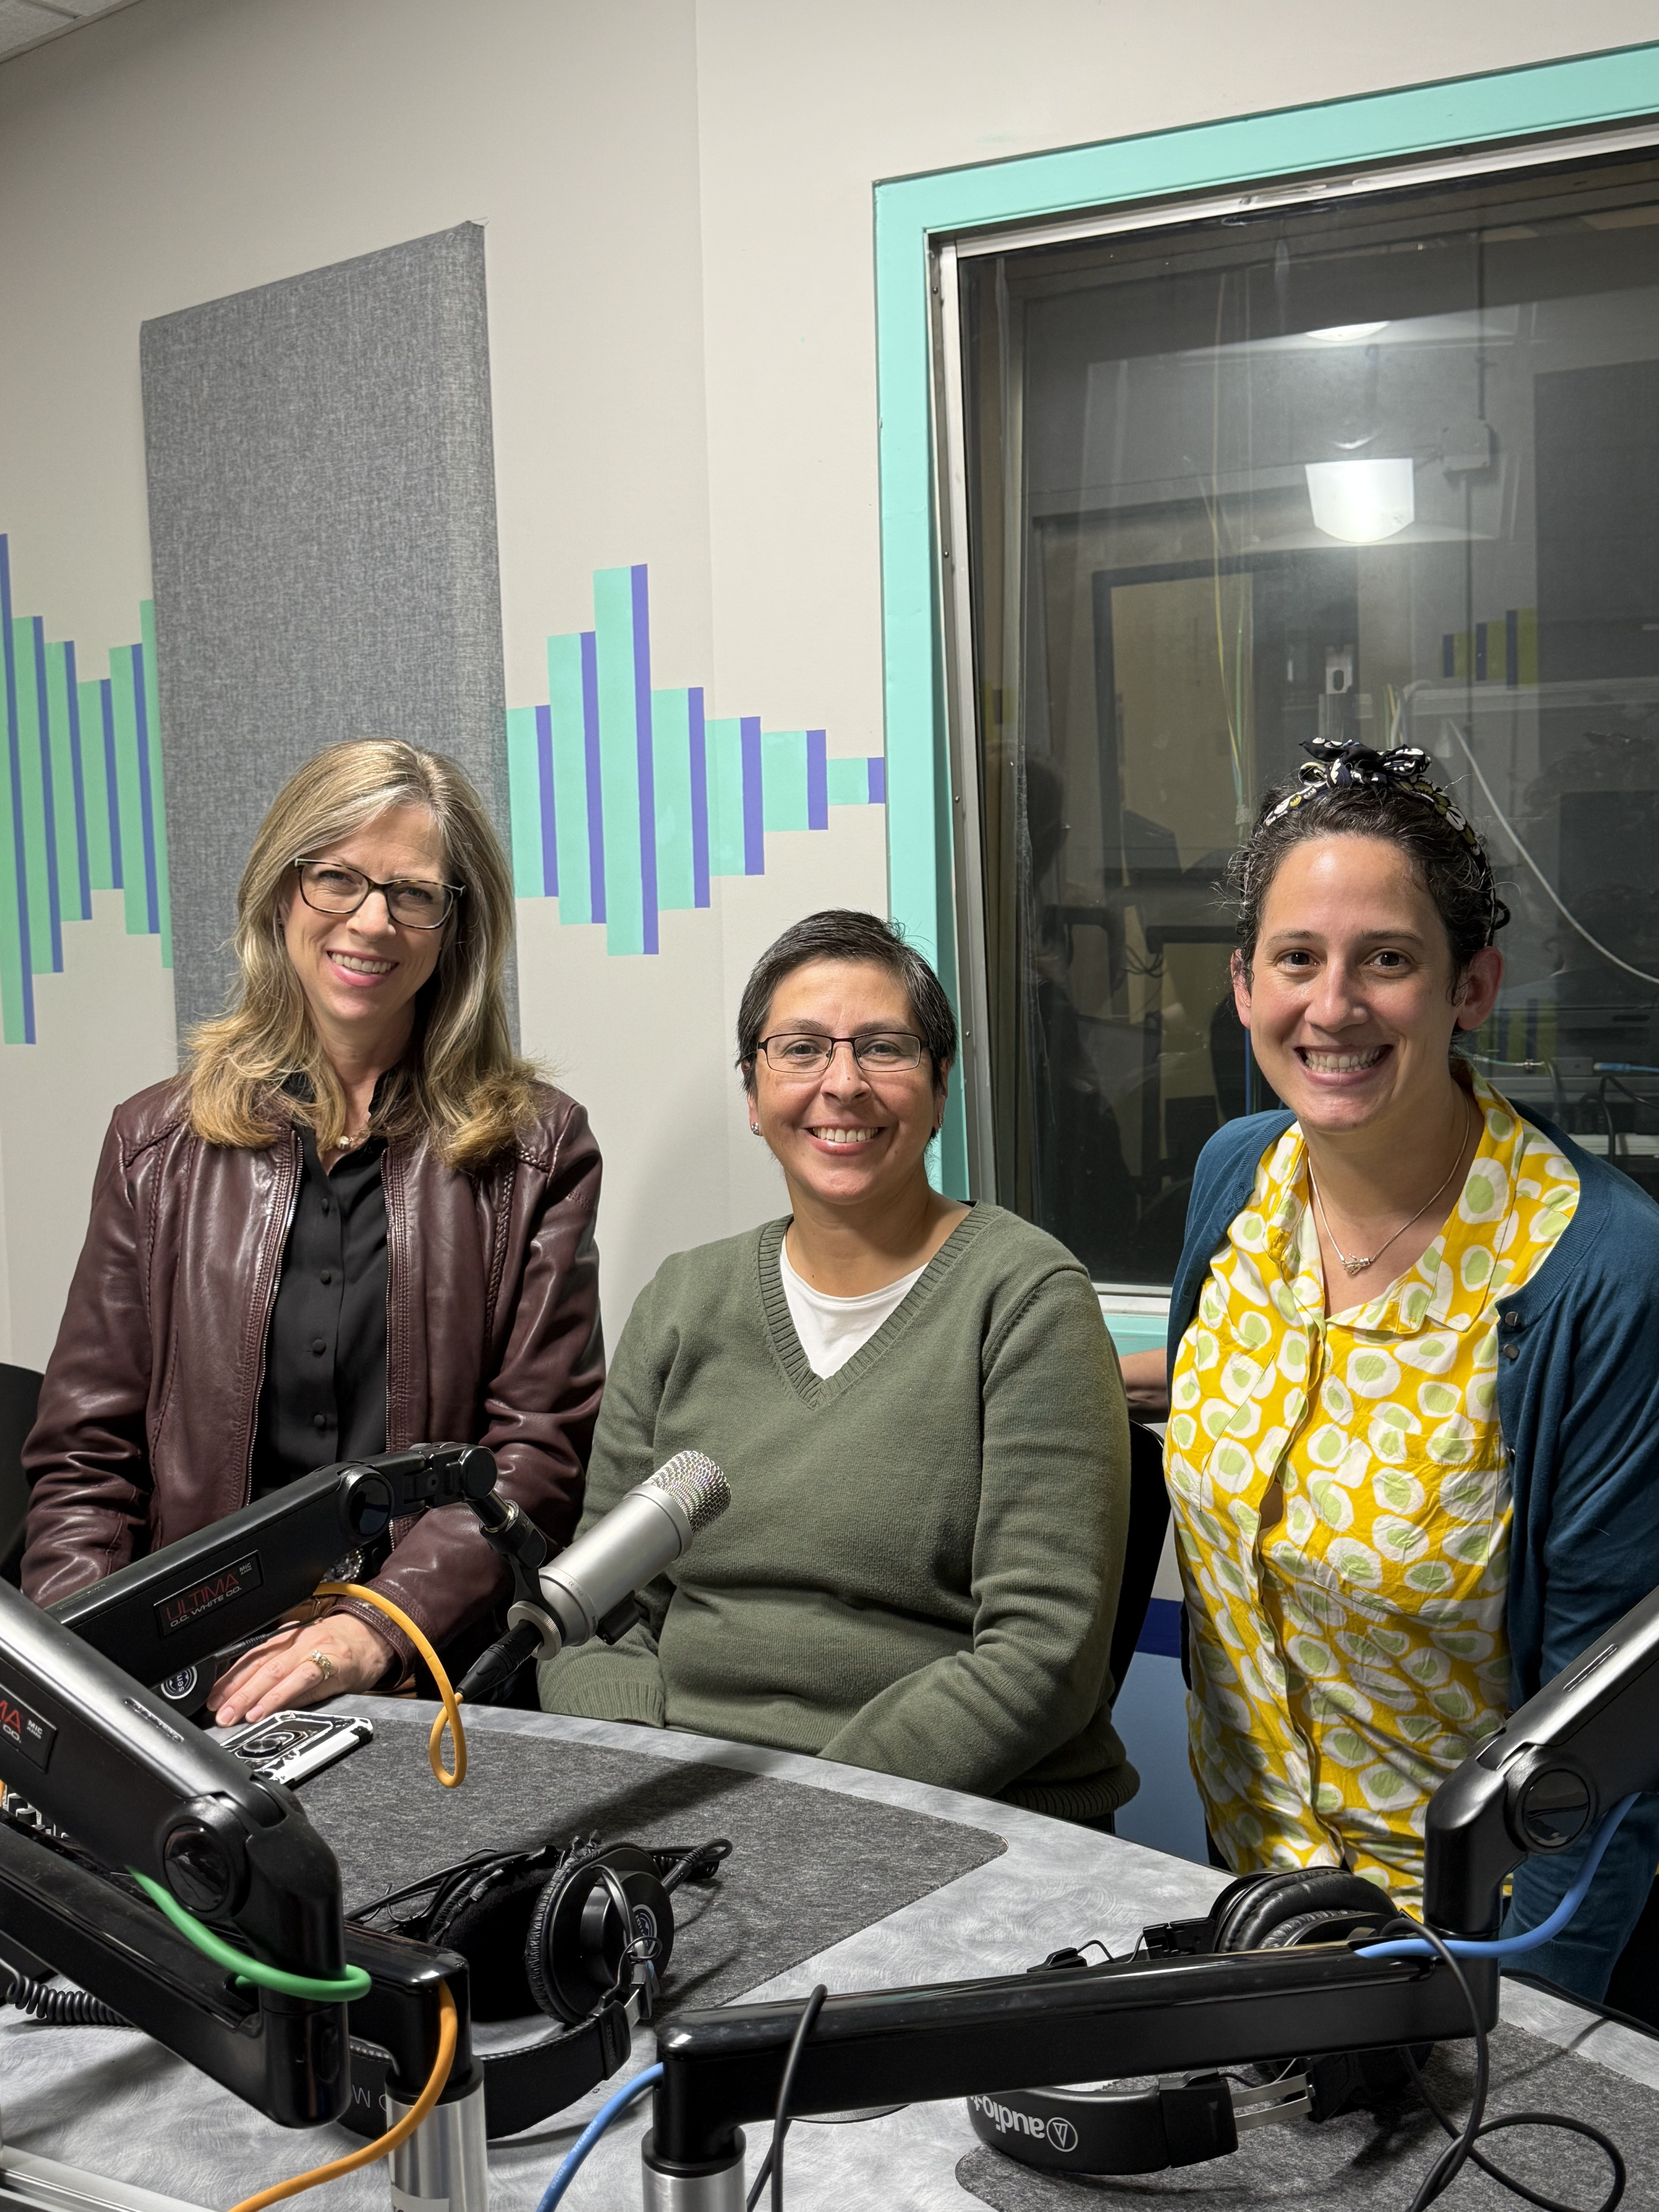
(1342, 1505)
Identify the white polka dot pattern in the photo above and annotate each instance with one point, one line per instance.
(1341, 1499)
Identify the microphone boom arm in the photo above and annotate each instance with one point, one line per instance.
(167, 1612)
(1560, 1765)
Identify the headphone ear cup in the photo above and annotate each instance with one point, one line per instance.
(489, 1932)
(574, 1942)
(1288, 1905)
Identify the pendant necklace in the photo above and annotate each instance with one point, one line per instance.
(1358, 1265)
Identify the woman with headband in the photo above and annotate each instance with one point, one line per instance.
(1414, 1432)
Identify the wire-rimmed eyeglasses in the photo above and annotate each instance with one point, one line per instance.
(332, 888)
(878, 1052)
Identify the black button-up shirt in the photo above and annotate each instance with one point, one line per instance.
(324, 1397)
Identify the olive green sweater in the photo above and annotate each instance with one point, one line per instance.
(919, 1568)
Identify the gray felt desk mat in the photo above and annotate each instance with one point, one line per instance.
(1377, 2159)
(807, 1868)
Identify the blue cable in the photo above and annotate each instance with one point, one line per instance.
(612, 2109)
(1507, 1946)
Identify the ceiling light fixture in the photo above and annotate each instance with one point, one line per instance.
(1348, 333)
(1362, 502)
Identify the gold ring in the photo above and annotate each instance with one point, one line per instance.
(323, 1663)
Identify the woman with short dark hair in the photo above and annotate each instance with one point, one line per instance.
(1413, 1440)
(917, 1407)
(356, 1221)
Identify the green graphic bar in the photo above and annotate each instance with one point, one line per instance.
(75, 902)
(127, 791)
(94, 778)
(723, 741)
(39, 865)
(670, 751)
(524, 800)
(783, 780)
(849, 782)
(564, 693)
(619, 759)
(157, 796)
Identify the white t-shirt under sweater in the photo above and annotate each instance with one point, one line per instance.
(832, 1329)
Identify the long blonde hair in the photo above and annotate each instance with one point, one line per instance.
(462, 1088)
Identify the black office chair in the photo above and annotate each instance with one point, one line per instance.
(19, 1395)
(1148, 1517)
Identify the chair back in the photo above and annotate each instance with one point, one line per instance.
(1148, 1517)
(20, 1396)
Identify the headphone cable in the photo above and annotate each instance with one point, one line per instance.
(772, 2165)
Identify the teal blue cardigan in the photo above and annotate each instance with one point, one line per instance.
(1579, 1406)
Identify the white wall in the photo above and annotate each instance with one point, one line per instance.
(677, 202)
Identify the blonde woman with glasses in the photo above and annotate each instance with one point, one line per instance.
(356, 1221)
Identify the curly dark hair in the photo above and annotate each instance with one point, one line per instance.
(1350, 791)
(842, 933)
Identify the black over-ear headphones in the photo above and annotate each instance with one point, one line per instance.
(1184, 2119)
(581, 1931)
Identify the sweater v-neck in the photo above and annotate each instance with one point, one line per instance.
(818, 1390)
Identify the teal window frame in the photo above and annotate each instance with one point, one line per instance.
(913, 214)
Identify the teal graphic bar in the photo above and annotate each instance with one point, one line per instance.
(783, 780)
(570, 805)
(671, 745)
(619, 759)
(723, 749)
(525, 801)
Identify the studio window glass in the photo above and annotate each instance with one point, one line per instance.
(1380, 461)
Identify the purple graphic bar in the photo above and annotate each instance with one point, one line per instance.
(146, 802)
(818, 781)
(699, 797)
(878, 767)
(107, 701)
(754, 817)
(72, 688)
(19, 854)
(648, 765)
(48, 796)
(548, 816)
(595, 801)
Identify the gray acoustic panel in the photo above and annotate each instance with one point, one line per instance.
(322, 515)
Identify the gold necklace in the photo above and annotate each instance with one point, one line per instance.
(1358, 1265)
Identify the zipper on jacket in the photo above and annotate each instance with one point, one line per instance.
(266, 1282)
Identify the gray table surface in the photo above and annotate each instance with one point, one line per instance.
(115, 2102)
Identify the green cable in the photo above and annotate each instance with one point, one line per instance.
(354, 1982)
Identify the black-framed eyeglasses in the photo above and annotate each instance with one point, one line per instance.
(878, 1052)
(332, 888)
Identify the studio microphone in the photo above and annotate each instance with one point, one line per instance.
(587, 1590)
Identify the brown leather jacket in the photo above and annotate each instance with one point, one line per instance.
(147, 1409)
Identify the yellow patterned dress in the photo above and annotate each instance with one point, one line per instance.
(1342, 1505)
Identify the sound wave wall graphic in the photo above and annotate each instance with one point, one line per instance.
(626, 801)
(81, 803)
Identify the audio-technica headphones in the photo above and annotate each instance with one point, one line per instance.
(1184, 2119)
(581, 1931)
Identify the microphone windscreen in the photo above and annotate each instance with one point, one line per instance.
(695, 1485)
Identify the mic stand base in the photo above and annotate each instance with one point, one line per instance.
(444, 2161)
(692, 2188)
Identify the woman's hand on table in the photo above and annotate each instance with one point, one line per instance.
(285, 1670)
(1146, 1384)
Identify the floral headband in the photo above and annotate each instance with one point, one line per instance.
(1338, 765)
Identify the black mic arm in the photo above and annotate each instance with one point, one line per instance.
(103, 1761)
(160, 1616)
(1558, 1769)
(1551, 1775)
